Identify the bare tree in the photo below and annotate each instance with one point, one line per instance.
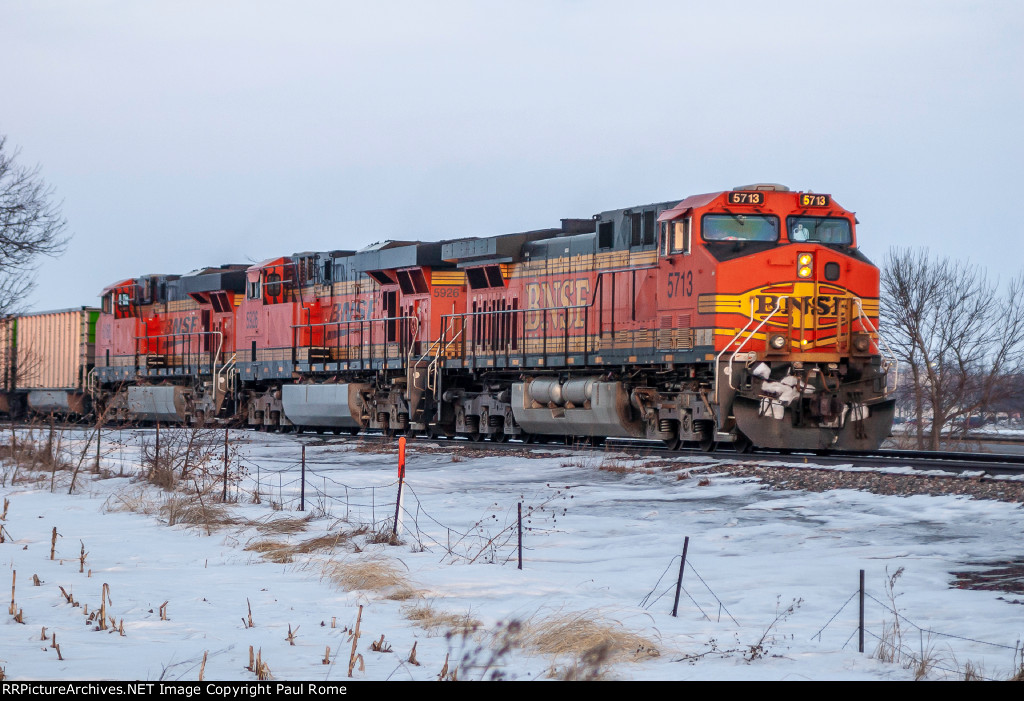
(31, 226)
(961, 342)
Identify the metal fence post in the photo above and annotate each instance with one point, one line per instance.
(679, 582)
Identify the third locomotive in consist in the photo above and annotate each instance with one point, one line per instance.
(747, 316)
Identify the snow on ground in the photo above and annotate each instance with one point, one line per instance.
(769, 586)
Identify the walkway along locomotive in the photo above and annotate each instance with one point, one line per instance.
(747, 316)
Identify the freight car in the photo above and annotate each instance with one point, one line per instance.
(746, 316)
(45, 360)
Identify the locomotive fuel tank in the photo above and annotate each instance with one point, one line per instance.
(578, 407)
(329, 406)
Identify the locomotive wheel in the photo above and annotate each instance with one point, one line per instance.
(707, 439)
(672, 443)
(528, 438)
(500, 437)
(743, 444)
(475, 436)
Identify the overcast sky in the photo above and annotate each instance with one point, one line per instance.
(183, 134)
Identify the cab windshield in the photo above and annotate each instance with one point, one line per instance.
(740, 227)
(820, 230)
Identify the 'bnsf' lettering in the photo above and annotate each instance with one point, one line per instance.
(355, 310)
(822, 305)
(184, 325)
(556, 295)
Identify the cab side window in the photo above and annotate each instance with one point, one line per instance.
(675, 237)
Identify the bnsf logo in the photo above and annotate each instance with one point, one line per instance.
(822, 305)
(799, 302)
(556, 295)
(184, 325)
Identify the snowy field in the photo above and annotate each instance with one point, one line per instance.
(769, 589)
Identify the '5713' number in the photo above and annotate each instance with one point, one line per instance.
(680, 284)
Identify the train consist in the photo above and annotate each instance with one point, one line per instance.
(747, 316)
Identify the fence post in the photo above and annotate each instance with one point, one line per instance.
(401, 482)
(224, 496)
(156, 458)
(861, 627)
(99, 442)
(679, 582)
(302, 486)
(520, 535)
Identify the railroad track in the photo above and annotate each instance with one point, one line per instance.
(956, 462)
(990, 463)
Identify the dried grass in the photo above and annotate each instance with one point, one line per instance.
(324, 543)
(136, 501)
(189, 511)
(275, 551)
(365, 575)
(438, 622)
(384, 535)
(620, 467)
(577, 634)
(972, 673)
(403, 594)
(282, 526)
(284, 552)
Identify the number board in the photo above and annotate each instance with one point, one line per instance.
(752, 198)
(808, 199)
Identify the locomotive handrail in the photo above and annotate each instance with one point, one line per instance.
(778, 305)
(224, 369)
(189, 335)
(412, 338)
(90, 381)
(350, 321)
(434, 365)
(524, 312)
(889, 362)
(595, 301)
(348, 324)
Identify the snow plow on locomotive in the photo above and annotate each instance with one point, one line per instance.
(746, 316)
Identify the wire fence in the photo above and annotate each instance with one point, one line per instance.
(300, 485)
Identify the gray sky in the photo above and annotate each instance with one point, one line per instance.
(182, 134)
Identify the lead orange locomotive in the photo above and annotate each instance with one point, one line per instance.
(747, 317)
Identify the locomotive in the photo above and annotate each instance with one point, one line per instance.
(746, 317)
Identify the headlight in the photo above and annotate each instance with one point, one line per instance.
(777, 341)
(861, 342)
(804, 265)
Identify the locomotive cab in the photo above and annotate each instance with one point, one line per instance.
(794, 309)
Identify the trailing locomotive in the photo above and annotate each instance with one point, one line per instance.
(747, 316)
